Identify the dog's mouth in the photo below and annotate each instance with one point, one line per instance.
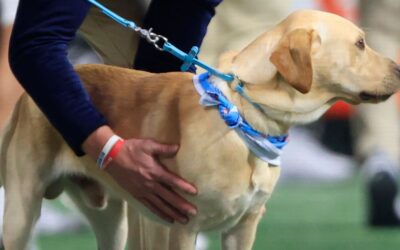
(368, 97)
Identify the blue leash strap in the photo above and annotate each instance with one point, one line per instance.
(190, 59)
(114, 16)
(161, 43)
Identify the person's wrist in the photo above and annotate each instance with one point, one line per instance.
(110, 150)
(95, 142)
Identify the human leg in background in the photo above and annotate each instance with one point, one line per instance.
(115, 44)
(10, 90)
(378, 128)
(226, 33)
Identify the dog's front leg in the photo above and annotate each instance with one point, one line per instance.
(109, 224)
(150, 235)
(242, 235)
(145, 233)
(181, 238)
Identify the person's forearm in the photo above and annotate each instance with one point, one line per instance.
(95, 141)
(38, 58)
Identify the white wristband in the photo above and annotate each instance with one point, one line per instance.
(106, 150)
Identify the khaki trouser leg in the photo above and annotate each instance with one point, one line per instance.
(238, 22)
(378, 126)
(115, 44)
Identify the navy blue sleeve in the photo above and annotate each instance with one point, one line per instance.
(42, 32)
(183, 22)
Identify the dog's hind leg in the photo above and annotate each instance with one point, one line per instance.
(28, 148)
(242, 235)
(22, 209)
(24, 191)
(109, 223)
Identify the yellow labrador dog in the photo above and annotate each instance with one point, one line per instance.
(295, 72)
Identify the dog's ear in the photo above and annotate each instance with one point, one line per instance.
(292, 58)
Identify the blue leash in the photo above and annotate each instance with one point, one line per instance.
(161, 43)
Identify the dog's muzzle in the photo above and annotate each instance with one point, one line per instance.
(365, 96)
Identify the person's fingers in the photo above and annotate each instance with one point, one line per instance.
(169, 211)
(176, 182)
(175, 200)
(155, 210)
(159, 149)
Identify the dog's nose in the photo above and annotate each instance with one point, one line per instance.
(397, 70)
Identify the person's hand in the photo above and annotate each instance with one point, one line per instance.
(138, 170)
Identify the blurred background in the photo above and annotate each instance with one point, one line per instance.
(340, 175)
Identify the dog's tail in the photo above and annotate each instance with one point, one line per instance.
(6, 133)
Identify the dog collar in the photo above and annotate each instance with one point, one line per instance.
(267, 148)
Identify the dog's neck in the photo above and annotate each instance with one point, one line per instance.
(258, 119)
(282, 107)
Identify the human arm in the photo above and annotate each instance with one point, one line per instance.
(42, 32)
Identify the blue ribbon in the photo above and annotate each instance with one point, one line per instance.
(231, 115)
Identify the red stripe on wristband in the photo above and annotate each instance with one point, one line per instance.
(113, 152)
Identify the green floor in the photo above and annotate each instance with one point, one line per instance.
(300, 217)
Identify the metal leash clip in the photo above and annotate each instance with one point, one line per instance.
(156, 40)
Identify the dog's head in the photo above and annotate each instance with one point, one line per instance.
(315, 58)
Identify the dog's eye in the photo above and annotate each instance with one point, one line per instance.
(360, 44)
